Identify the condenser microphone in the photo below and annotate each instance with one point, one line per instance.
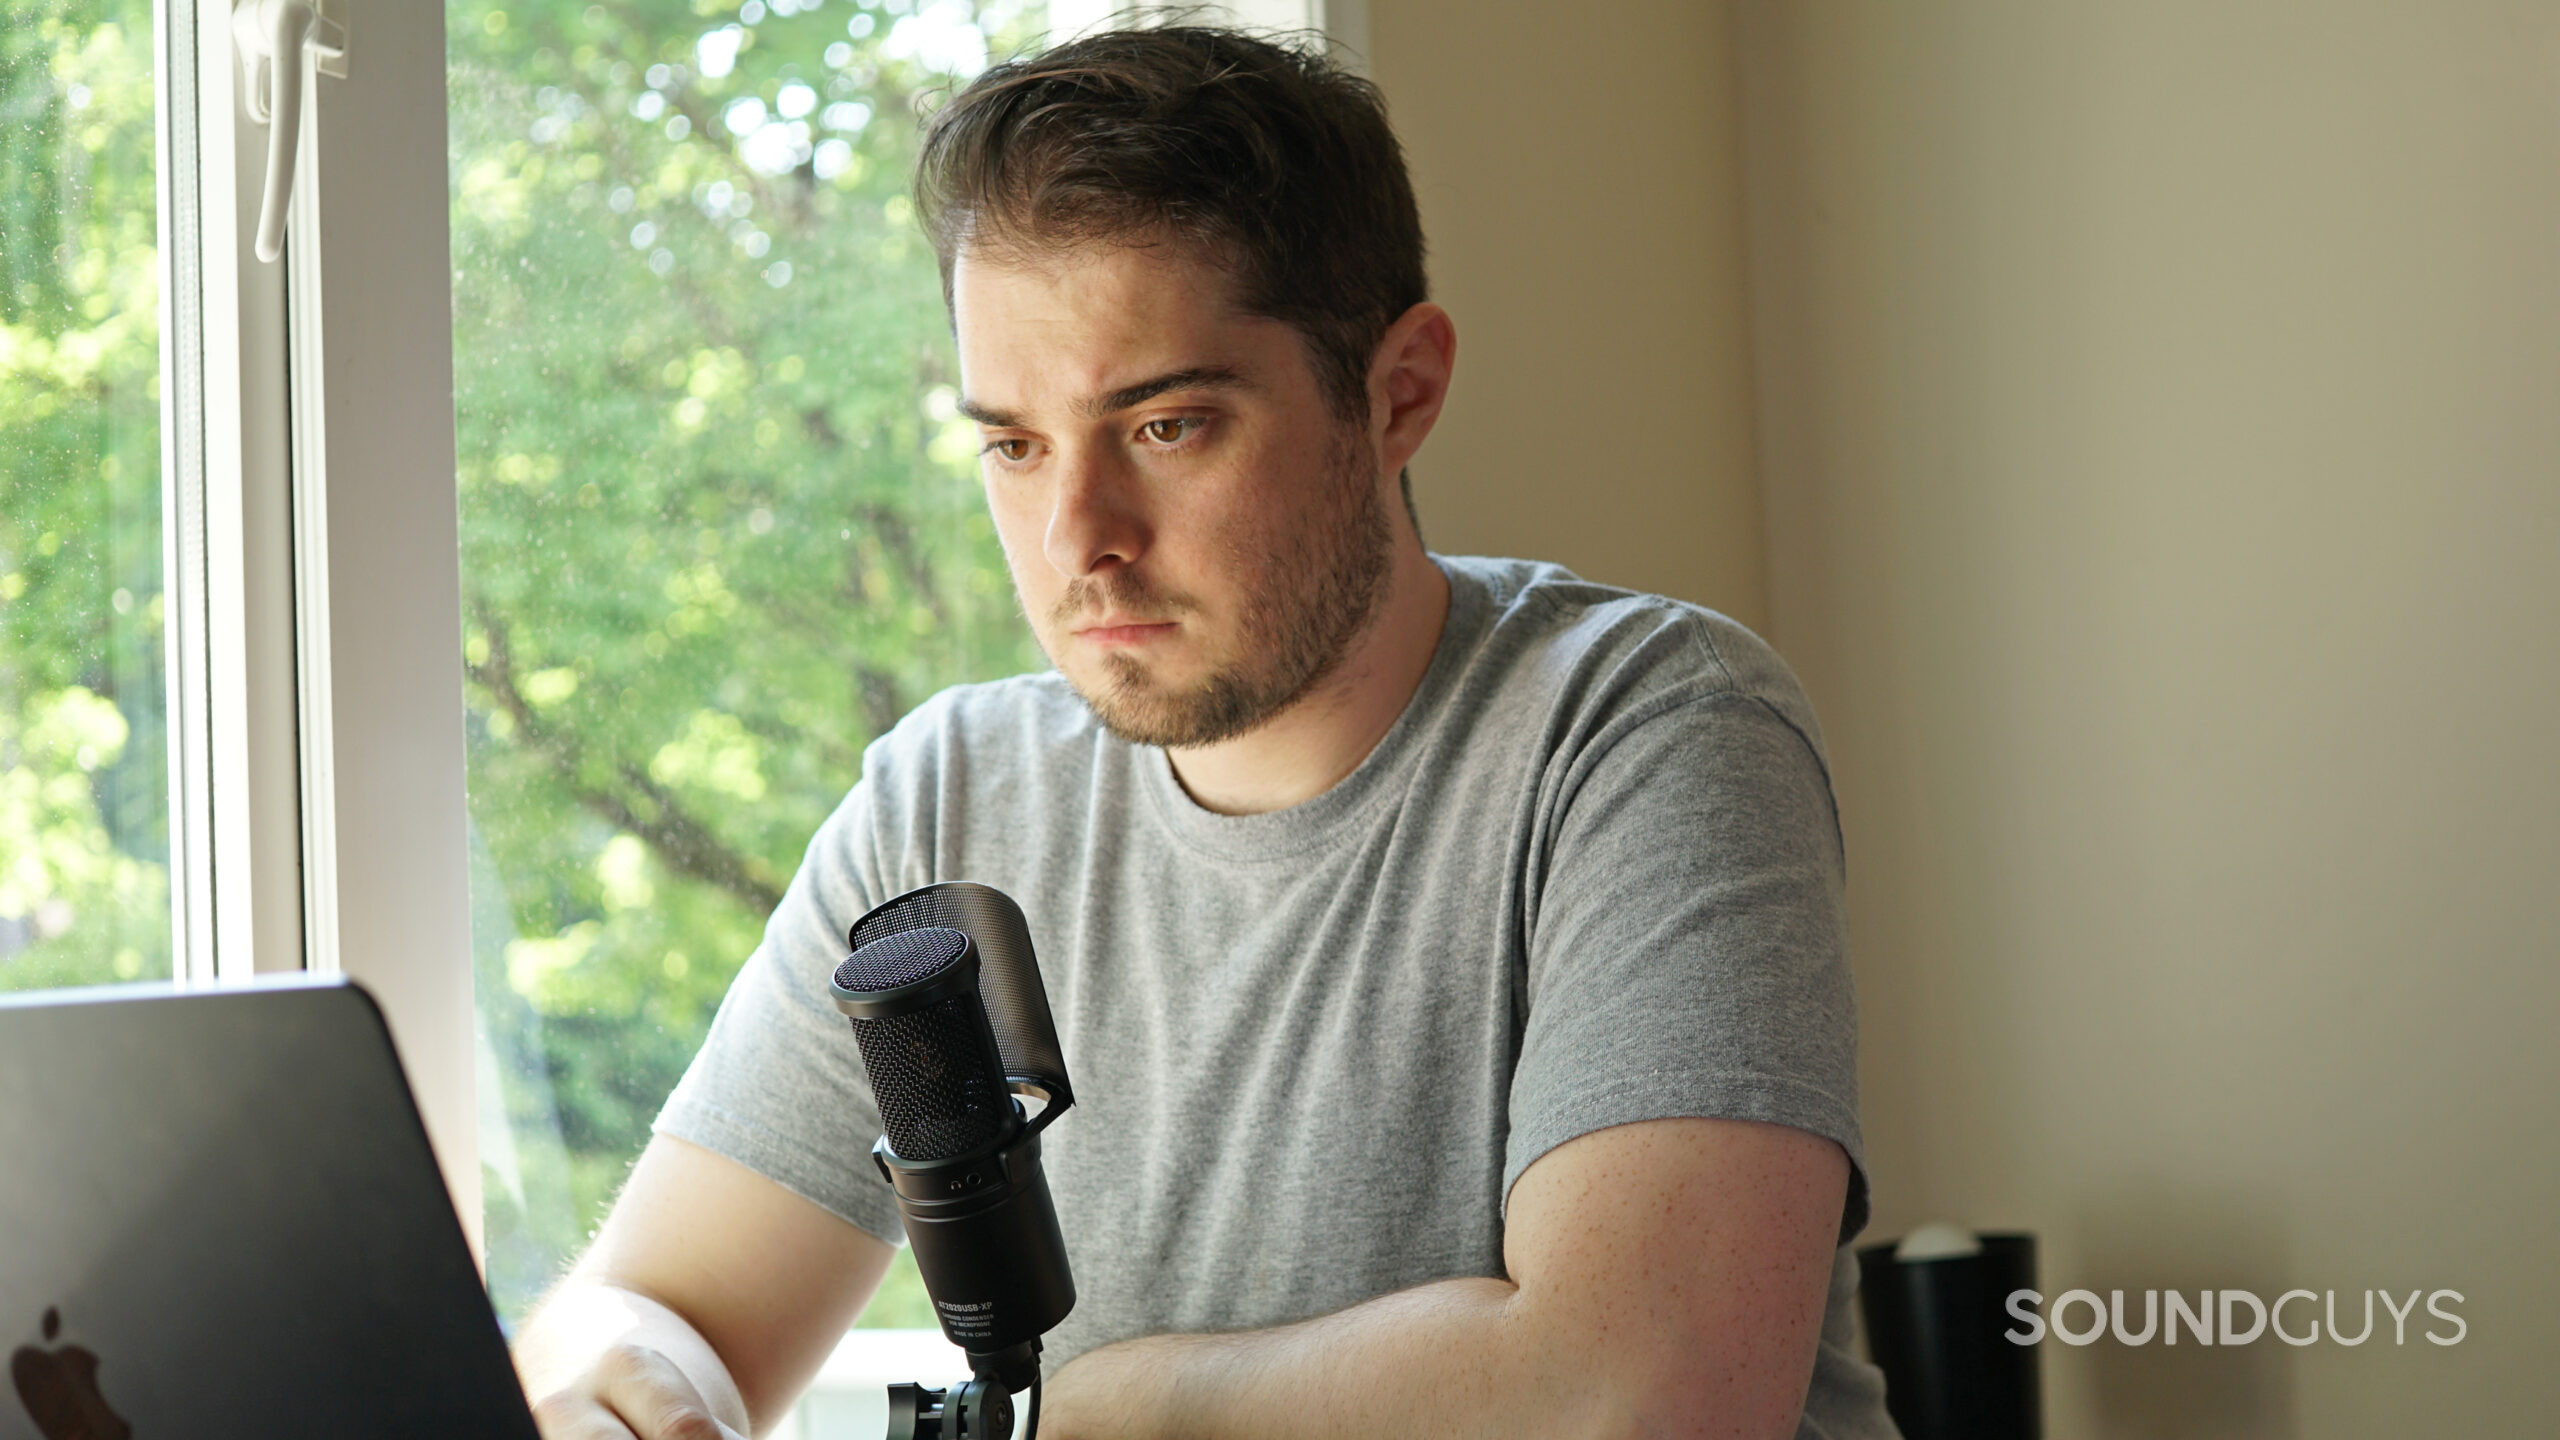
(927, 1044)
(952, 1023)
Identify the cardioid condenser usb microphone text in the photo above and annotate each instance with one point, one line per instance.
(953, 1024)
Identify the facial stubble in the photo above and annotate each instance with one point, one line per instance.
(1310, 596)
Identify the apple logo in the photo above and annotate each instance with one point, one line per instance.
(60, 1388)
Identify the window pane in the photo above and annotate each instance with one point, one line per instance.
(720, 524)
(84, 775)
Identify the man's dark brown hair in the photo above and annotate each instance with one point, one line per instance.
(1275, 163)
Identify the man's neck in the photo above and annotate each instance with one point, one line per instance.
(1308, 748)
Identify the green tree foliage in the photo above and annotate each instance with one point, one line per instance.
(720, 519)
(83, 765)
(720, 526)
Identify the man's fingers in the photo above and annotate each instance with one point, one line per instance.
(654, 1398)
(577, 1415)
(633, 1393)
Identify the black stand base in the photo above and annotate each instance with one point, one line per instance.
(980, 1409)
(976, 1410)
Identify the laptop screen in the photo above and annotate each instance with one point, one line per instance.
(222, 1218)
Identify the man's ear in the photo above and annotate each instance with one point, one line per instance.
(1409, 381)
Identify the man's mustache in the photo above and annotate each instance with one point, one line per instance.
(1121, 595)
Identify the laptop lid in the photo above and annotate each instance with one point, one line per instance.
(219, 1216)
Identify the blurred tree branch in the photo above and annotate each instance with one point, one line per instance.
(643, 807)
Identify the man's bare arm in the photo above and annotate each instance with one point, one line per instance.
(707, 1302)
(1668, 1278)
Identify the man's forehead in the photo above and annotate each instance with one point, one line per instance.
(1089, 289)
(1077, 327)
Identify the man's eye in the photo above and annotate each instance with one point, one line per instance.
(1172, 430)
(1012, 451)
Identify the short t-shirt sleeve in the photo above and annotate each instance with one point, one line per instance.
(1688, 953)
(778, 1085)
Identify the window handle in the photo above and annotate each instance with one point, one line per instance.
(270, 37)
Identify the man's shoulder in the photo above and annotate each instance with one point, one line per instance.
(1627, 650)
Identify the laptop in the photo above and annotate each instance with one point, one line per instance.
(219, 1217)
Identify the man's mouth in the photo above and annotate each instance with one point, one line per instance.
(1123, 630)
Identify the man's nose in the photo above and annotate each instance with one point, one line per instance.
(1095, 519)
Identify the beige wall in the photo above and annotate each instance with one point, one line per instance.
(1577, 175)
(2158, 413)
(2160, 422)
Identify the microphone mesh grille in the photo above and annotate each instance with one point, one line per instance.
(936, 1077)
(900, 959)
(1009, 982)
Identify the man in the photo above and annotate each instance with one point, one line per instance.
(1448, 952)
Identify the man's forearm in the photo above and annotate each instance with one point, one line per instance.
(585, 1320)
(1456, 1357)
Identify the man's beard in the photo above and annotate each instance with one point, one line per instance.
(1307, 598)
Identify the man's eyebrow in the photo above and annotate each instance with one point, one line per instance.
(991, 418)
(1196, 377)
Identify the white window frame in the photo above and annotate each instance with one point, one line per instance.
(316, 763)
(233, 785)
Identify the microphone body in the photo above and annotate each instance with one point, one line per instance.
(957, 1151)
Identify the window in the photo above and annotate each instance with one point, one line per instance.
(720, 525)
(84, 792)
(651, 263)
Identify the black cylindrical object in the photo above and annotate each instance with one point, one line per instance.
(926, 1044)
(1937, 1330)
(964, 1164)
(987, 1243)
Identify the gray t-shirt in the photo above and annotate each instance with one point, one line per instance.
(1592, 875)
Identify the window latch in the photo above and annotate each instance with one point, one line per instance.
(271, 37)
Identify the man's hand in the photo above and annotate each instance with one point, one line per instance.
(708, 1300)
(631, 1393)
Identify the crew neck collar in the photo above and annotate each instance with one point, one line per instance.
(1278, 834)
